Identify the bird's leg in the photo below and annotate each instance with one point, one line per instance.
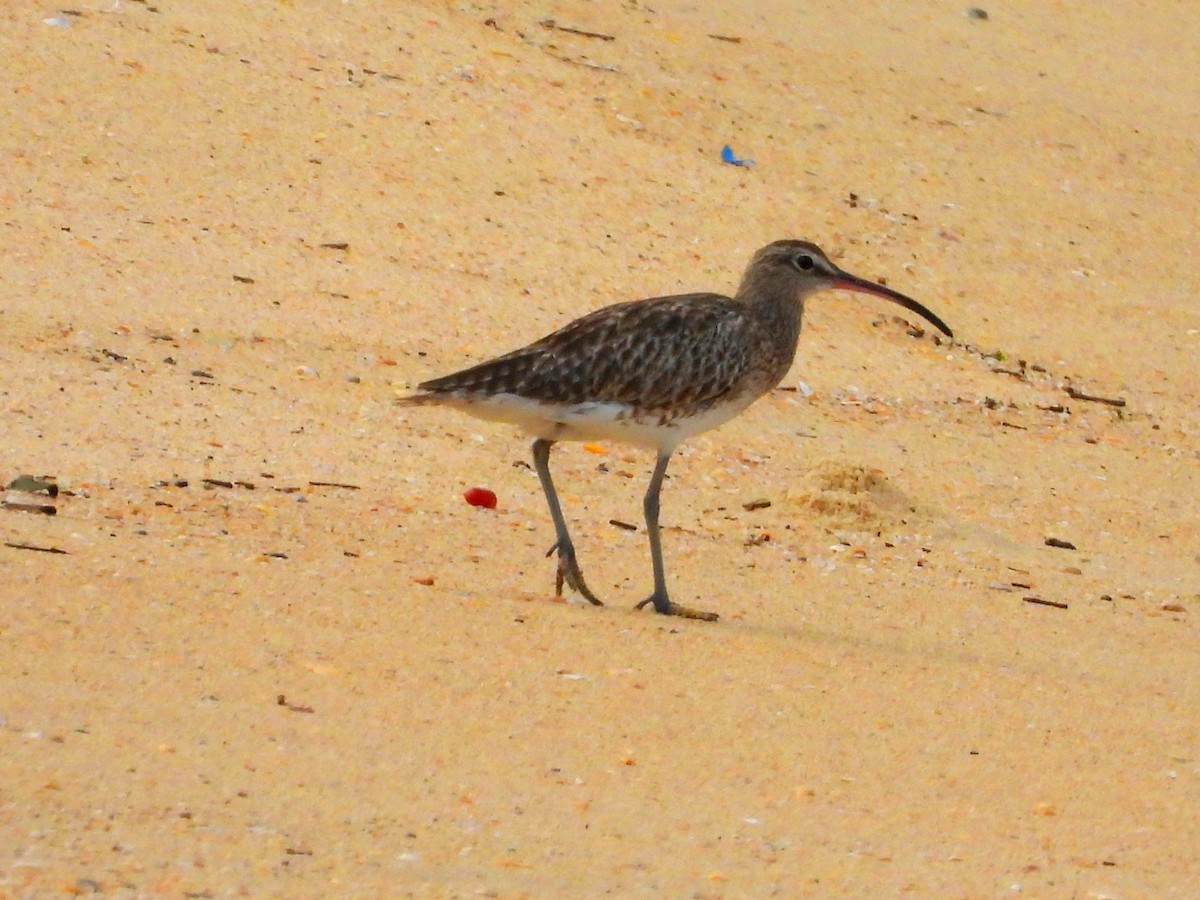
(662, 603)
(568, 568)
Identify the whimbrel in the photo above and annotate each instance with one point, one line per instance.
(652, 373)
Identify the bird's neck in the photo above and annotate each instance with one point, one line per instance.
(775, 311)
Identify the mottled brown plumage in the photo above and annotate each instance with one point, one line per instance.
(653, 373)
(667, 356)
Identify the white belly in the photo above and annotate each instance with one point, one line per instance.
(595, 421)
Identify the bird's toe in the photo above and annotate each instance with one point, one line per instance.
(667, 607)
(570, 574)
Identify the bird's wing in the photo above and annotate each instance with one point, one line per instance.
(685, 350)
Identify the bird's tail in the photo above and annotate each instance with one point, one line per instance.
(425, 398)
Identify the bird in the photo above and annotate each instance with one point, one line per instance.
(652, 373)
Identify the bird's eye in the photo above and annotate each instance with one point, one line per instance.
(804, 262)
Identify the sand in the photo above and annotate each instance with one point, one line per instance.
(275, 653)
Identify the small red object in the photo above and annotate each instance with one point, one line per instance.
(478, 496)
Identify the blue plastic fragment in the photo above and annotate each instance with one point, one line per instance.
(728, 156)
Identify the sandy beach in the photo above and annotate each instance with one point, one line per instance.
(255, 643)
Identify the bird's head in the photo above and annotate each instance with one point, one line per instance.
(800, 268)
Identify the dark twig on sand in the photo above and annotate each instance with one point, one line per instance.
(1076, 394)
(1040, 602)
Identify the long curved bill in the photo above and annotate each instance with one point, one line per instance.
(847, 282)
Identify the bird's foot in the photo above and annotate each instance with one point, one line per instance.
(570, 573)
(664, 605)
